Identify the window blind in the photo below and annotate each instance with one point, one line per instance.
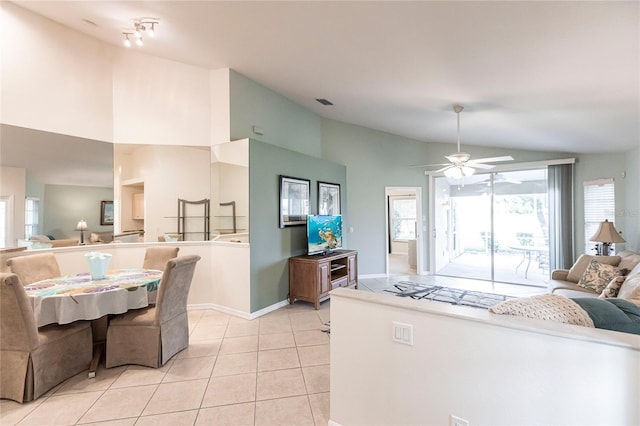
(599, 204)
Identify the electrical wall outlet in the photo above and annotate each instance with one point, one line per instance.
(457, 421)
(402, 333)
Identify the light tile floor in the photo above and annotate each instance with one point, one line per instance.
(273, 370)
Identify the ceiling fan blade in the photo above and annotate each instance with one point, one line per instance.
(430, 165)
(480, 165)
(492, 159)
(444, 168)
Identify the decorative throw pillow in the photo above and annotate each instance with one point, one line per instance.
(611, 290)
(551, 307)
(629, 260)
(630, 290)
(598, 275)
(577, 270)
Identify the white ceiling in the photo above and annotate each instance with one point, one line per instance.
(552, 76)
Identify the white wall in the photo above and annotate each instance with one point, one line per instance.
(215, 283)
(54, 78)
(59, 80)
(487, 369)
(168, 173)
(157, 101)
(220, 106)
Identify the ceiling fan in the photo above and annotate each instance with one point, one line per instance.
(460, 163)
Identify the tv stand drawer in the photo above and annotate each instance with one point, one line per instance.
(342, 282)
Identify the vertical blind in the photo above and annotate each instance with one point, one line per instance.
(599, 204)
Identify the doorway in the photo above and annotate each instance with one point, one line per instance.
(403, 230)
(493, 226)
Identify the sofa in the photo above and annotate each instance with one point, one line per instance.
(564, 282)
(598, 292)
(52, 243)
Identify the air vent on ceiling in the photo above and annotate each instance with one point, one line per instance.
(324, 101)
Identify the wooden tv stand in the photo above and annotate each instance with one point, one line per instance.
(312, 277)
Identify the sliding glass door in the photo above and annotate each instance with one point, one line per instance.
(493, 226)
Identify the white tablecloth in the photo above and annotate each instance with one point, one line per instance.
(67, 299)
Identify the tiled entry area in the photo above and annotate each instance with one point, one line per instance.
(270, 371)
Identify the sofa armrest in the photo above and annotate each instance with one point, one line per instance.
(559, 274)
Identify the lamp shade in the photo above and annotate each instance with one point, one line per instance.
(607, 234)
(81, 226)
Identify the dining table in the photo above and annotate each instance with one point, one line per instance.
(63, 300)
(527, 253)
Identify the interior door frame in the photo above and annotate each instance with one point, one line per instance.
(420, 225)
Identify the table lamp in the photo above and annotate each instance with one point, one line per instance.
(606, 235)
(81, 226)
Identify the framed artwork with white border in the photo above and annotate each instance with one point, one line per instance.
(328, 198)
(294, 201)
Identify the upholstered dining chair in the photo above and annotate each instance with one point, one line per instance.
(32, 359)
(34, 267)
(152, 335)
(157, 257)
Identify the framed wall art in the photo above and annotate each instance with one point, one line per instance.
(328, 198)
(294, 201)
(106, 213)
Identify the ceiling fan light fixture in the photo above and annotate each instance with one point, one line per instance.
(454, 173)
(468, 171)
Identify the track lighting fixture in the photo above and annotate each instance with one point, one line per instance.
(140, 27)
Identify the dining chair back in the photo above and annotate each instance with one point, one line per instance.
(34, 267)
(157, 257)
(32, 359)
(152, 335)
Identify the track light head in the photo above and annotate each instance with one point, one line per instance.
(140, 26)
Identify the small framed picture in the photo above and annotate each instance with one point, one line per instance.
(294, 201)
(106, 213)
(328, 198)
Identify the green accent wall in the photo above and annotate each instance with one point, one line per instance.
(375, 160)
(601, 166)
(271, 246)
(632, 212)
(64, 205)
(283, 122)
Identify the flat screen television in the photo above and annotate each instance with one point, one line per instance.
(324, 233)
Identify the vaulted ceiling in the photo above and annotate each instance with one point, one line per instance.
(551, 76)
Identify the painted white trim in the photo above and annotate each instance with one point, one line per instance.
(372, 276)
(598, 182)
(268, 309)
(416, 191)
(237, 313)
(220, 308)
(332, 423)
